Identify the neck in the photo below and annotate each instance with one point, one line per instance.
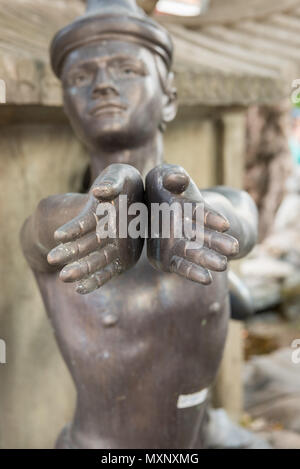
(144, 158)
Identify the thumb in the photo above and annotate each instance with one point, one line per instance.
(176, 181)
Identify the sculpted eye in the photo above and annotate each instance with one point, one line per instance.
(80, 79)
(129, 71)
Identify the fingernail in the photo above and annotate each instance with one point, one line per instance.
(176, 182)
(200, 276)
(217, 221)
(104, 191)
(70, 273)
(84, 288)
(51, 258)
(81, 290)
(87, 286)
(54, 256)
(60, 235)
(235, 247)
(222, 264)
(60, 254)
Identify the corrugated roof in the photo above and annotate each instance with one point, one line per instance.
(238, 53)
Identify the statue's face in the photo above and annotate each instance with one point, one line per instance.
(112, 94)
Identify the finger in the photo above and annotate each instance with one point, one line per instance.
(77, 227)
(215, 220)
(110, 184)
(190, 271)
(200, 255)
(97, 280)
(69, 252)
(211, 218)
(221, 242)
(89, 265)
(176, 181)
(207, 259)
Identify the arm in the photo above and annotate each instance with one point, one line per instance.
(68, 227)
(37, 234)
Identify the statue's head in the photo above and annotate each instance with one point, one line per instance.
(114, 63)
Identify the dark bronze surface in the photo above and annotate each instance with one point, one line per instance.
(148, 335)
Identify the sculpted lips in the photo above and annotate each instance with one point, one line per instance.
(105, 107)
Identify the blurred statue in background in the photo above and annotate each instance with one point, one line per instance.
(142, 330)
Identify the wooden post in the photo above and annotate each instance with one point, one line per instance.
(228, 389)
(191, 142)
(37, 395)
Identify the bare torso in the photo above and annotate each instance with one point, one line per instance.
(154, 336)
(145, 338)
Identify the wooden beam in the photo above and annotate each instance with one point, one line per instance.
(286, 21)
(204, 73)
(254, 42)
(261, 61)
(277, 34)
(197, 53)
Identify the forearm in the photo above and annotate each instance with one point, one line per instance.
(241, 212)
(37, 234)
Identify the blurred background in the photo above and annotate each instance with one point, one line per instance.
(236, 67)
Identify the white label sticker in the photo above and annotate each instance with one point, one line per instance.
(191, 400)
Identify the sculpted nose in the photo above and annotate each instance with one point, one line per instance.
(104, 86)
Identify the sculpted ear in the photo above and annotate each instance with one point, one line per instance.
(170, 99)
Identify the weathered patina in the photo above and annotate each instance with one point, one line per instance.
(143, 344)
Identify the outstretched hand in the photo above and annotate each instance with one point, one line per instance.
(88, 259)
(194, 261)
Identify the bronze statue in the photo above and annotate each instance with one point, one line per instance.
(144, 348)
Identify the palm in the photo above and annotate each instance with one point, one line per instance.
(194, 261)
(89, 259)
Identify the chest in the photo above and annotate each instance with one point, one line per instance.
(141, 316)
